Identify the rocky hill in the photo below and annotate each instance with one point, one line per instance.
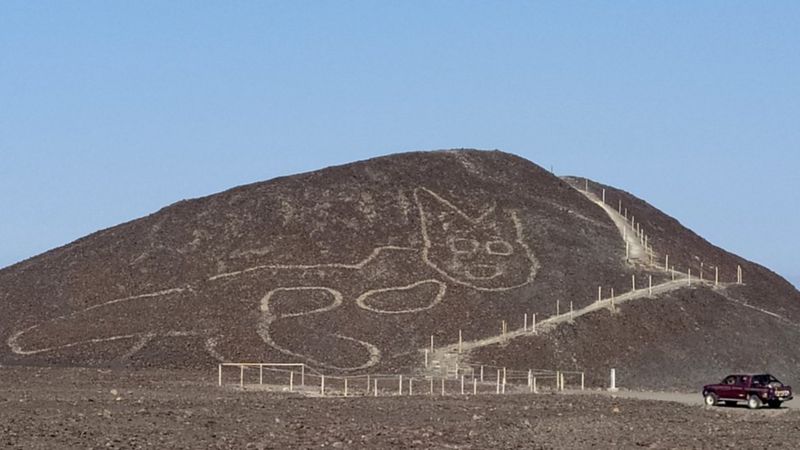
(353, 269)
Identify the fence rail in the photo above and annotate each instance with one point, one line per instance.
(298, 377)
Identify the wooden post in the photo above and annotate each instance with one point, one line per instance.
(530, 377)
(533, 323)
(291, 381)
(442, 386)
(219, 370)
(562, 381)
(368, 384)
(345, 387)
(400, 385)
(431, 392)
(474, 386)
(582, 376)
(571, 312)
(431, 345)
(322, 385)
(673, 272)
(410, 386)
(481, 374)
(498, 381)
(260, 374)
(604, 196)
(375, 387)
(701, 271)
(303, 375)
(241, 376)
(426, 358)
(599, 293)
(558, 308)
(558, 380)
(587, 184)
(739, 274)
(525, 322)
(716, 276)
(666, 262)
(633, 282)
(462, 384)
(650, 285)
(535, 391)
(626, 214)
(459, 341)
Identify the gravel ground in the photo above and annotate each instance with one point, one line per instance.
(88, 408)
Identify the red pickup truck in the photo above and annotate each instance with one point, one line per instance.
(755, 389)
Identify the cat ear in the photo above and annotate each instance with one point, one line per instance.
(436, 213)
(433, 205)
(506, 224)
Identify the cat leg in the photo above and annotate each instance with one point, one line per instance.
(292, 322)
(412, 298)
(136, 319)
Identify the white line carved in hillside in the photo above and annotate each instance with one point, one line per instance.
(364, 299)
(270, 315)
(73, 320)
(486, 253)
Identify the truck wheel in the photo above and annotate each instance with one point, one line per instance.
(710, 399)
(754, 402)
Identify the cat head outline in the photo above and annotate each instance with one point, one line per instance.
(486, 252)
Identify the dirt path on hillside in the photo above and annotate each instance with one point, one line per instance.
(637, 252)
(449, 355)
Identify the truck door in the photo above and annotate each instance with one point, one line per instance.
(726, 388)
(739, 390)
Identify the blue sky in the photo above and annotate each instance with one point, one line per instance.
(111, 110)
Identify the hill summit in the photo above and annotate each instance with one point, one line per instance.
(356, 268)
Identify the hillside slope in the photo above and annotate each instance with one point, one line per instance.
(677, 339)
(349, 269)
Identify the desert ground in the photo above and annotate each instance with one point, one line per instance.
(51, 408)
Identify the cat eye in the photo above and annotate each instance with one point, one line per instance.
(502, 248)
(462, 245)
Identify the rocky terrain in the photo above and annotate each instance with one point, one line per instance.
(352, 269)
(55, 408)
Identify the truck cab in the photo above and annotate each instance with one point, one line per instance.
(754, 389)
